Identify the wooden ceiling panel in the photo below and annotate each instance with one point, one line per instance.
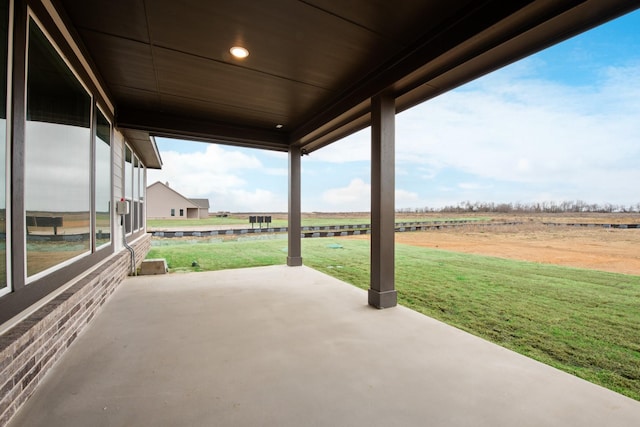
(403, 21)
(122, 18)
(234, 86)
(124, 62)
(207, 110)
(136, 98)
(305, 44)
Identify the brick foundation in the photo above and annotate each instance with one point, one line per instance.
(30, 348)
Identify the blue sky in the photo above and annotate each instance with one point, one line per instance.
(563, 124)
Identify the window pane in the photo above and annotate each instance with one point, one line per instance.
(57, 154)
(128, 185)
(136, 192)
(4, 25)
(142, 192)
(103, 181)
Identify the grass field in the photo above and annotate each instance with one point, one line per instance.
(584, 322)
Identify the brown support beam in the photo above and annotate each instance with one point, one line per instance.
(173, 126)
(294, 257)
(382, 293)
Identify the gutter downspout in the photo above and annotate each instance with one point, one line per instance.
(122, 208)
(132, 270)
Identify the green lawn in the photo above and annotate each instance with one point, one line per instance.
(581, 321)
(230, 220)
(218, 255)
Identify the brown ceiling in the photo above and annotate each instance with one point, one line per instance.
(313, 64)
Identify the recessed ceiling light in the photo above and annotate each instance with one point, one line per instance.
(279, 126)
(239, 52)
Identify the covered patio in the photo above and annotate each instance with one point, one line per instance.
(290, 347)
(270, 346)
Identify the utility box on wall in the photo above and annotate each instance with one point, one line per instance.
(122, 207)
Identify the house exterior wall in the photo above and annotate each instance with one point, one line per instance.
(42, 312)
(162, 201)
(33, 345)
(197, 213)
(193, 213)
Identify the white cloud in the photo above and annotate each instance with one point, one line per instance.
(523, 165)
(354, 197)
(354, 148)
(277, 171)
(509, 129)
(472, 186)
(406, 198)
(239, 200)
(197, 173)
(224, 176)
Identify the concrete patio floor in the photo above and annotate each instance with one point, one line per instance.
(283, 346)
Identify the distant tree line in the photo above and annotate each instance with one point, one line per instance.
(577, 206)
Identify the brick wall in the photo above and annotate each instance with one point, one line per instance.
(30, 348)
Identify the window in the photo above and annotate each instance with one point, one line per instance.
(57, 158)
(128, 186)
(142, 181)
(181, 212)
(173, 212)
(136, 193)
(102, 218)
(4, 41)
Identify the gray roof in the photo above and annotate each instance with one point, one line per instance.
(202, 203)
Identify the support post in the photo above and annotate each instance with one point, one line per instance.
(294, 257)
(382, 293)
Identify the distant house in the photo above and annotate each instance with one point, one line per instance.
(164, 202)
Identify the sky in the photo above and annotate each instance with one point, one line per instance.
(560, 125)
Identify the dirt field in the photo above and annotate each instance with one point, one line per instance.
(614, 250)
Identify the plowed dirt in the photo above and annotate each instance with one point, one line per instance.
(614, 250)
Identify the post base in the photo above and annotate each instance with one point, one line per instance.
(386, 299)
(294, 261)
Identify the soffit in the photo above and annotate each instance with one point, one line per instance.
(145, 146)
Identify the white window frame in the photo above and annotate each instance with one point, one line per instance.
(7, 164)
(126, 147)
(94, 213)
